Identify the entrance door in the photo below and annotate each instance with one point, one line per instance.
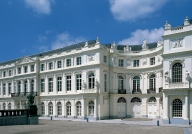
(136, 110)
(121, 110)
(152, 109)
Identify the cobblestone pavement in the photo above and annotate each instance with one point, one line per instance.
(76, 127)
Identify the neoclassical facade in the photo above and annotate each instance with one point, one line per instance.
(102, 81)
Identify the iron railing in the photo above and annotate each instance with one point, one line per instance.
(19, 94)
(136, 91)
(151, 90)
(121, 91)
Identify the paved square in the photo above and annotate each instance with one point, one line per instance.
(76, 127)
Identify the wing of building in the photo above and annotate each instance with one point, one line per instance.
(101, 81)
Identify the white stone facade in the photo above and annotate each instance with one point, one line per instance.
(97, 81)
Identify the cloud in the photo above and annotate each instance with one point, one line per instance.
(64, 39)
(42, 38)
(39, 6)
(43, 48)
(126, 10)
(139, 35)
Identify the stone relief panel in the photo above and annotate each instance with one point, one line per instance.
(114, 60)
(144, 61)
(177, 43)
(91, 57)
(128, 62)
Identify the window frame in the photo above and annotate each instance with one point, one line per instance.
(59, 84)
(50, 84)
(42, 85)
(68, 62)
(121, 62)
(59, 64)
(78, 61)
(78, 82)
(32, 68)
(135, 63)
(152, 61)
(68, 82)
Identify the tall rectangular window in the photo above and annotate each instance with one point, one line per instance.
(105, 59)
(9, 72)
(152, 61)
(19, 87)
(69, 83)
(68, 62)
(32, 68)
(58, 64)
(105, 82)
(42, 67)
(19, 70)
(4, 89)
(121, 62)
(136, 63)
(78, 60)
(59, 84)
(43, 109)
(25, 69)
(9, 88)
(78, 81)
(50, 65)
(42, 85)
(4, 73)
(50, 84)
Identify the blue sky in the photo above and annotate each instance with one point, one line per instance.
(32, 26)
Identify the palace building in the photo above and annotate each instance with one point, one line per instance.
(103, 81)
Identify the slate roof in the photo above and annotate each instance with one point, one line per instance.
(190, 21)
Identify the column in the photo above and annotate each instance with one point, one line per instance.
(46, 85)
(12, 87)
(46, 108)
(54, 109)
(7, 92)
(54, 84)
(82, 108)
(64, 84)
(1, 89)
(35, 85)
(144, 110)
(16, 86)
(74, 109)
(185, 115)
(73, 83)
(158, 107)
(22, 85)
(157, 82)
(22, 69)
(63, 108)
(28, 85)
(95, 108)
(166, 107)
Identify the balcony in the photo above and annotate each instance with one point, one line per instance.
(136, 91)
(151, 91)
(121, 91)
(21, 94)
(89, 90)
(179, 85)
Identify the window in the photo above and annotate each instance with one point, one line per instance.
(152, 99)
(136, 63)
(68, 62)
(177, 73)
(58, 64)
(59, 108)
(136, 83)
(19, 87)
(4, 89)
(32, 68)
(152, 61)
(135, 99)
(121, 100)
(152, 82)
(25, 69)
(50, 66)
(59, 84)
(69, 83)
(9, 72)
(68, 109)
(91, 81)
(9, 88)
(177, 108)
(42, 108)
(32, 85)
(105, 59)
(9, 106)
(4, 106)
(42, 67)
(19, 70)
(78, 77)
(78, 60)
(105, 82)
(50, 84)
(120, 83)
(25, 86)
(91, 108)
(4, 73)
(50, 108)
(121, 62)
(42, 85)
(78, 109)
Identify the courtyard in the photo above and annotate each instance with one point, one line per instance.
(82, 127)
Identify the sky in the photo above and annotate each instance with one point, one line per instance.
(33, 26)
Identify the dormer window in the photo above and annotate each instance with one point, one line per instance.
(32, 68)
(19, 70)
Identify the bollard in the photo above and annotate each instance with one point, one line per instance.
(157, 122)
(87, 119)
(51, 117)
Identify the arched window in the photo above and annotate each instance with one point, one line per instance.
(135, 99)
(59, 108)
(152, 99)
(91, 108)
(136, 83)
(121, 100)
(50, 108)
(25, 86)
(4, 106)
(152, 82)
(177, 108)
(177, 73)
(120, 83)
(78, 104)
(32, 85)
(91, 81)
(9, 106)
(42, 108)
(68, 109)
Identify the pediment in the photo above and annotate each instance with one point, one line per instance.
(25, 60)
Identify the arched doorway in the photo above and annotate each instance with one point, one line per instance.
(121, 105)
(152, 107)
(136, 107)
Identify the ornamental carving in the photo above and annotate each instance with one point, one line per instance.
(114, 60)
(167, 79)
(177, 43)
(24, 60)
(187, 77)
(144, 46)
(128, 62)
(145, 61)
(91, 58)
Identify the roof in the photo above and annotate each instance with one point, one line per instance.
(190, 21)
